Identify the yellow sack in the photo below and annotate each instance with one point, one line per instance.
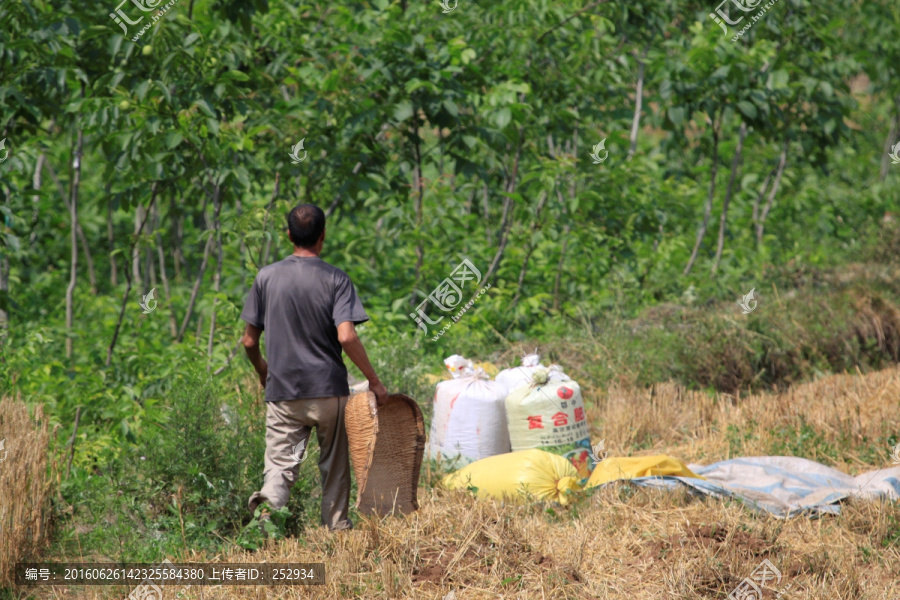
(432, 379)
(613, 469)
(515, 475)
(489, 368)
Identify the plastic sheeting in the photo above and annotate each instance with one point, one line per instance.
(785, 486)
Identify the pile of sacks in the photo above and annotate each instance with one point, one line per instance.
(533, 475)
(527, 407)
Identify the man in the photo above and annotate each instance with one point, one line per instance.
(309, 311)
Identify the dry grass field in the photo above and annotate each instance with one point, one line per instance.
(25, 484)
(623, 541)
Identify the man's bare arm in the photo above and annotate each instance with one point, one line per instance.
(251, 345)
(353, 346)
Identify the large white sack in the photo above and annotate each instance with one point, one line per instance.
(458, 366)
(516, 377)
(556, 373)
(549, 414)
(469, 419)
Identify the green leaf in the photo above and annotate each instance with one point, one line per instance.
(205, 108)
(165, 90)
(502, 117)
(415, 84)
(141, 90)
(748, 109)
(676, 115)
(173, 138)
(778, 80)
(403, 111)
(236, 76)
(451, 107)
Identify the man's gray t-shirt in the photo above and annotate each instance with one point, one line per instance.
(299, 302)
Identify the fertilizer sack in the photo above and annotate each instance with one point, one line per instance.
(458, 366)
(469, 418)
(518, 476)
(549, 414)
(516, 377)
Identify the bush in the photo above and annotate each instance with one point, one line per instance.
(205, 459)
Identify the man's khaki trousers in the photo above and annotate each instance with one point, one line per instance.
(289, 423)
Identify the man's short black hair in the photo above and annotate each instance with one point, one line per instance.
(306, 222)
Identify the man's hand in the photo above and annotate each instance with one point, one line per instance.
(251, 345)
(264, 374)
(381, 393)
(354, 349)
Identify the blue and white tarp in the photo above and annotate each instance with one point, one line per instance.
(785, 486)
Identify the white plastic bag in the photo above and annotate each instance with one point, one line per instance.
(458, 366)
(469, 419)
(516, 377)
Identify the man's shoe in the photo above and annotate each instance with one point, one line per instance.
(272, 522)
(264, 517)
(267, 524)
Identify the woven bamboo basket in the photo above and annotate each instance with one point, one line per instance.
(386, 448)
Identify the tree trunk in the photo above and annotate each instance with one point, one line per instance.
(112, 344)
(264, 256)
(92, 276)
(441, 154)
(173, 323)
(110, 238)
(535, 225)
(782, 161)
(485, 211)
(337, 196)
(759, 196)
(638, 103)
(35, 199)
(201, 271)
(73, 216)
(567, 228)
(150, 262)
(707, 209)
(199, 330)
(562, 253)
(889, 142)
(507, 219)
(242, 251)
(139, 218)
(735, 164)
(4, 284)
(419, 200)
(230, 358)
(178, 258)
(217, 276)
